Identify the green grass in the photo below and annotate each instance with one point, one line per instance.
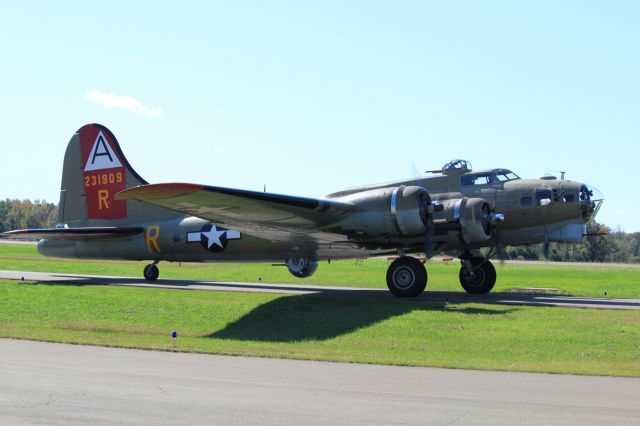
(592, 280)
(401, 332)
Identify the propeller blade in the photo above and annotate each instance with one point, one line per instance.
(428, 240)
(415, 173)
(502, 253)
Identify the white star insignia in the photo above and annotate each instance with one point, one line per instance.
(213, 236)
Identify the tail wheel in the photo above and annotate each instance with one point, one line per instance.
(406, 277)
(301, 267)
(481, 280)
(151, 272)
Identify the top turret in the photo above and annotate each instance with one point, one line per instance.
(456, 167)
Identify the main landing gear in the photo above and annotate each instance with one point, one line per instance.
(407, 276)
(477, 274)
(151, 271)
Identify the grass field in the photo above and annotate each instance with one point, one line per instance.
(401, 332)
(595, 280)
(579, 341)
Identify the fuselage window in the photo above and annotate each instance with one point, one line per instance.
(568, 198)
(526, 201)
(543, 197)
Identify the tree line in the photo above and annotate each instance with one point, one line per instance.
(21, 214)
(602, 245)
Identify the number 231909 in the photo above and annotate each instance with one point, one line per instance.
(103, 179)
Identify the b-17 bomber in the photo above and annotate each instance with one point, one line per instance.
(108, 211)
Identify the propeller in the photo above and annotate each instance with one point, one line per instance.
(490, 218)
(501, 251)
(428, 238)
(427, 208)
(486, 219)
(415, 173)
(426, 211)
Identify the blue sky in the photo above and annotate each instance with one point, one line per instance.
(312, 97)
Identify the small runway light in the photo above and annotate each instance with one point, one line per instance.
(174, 336)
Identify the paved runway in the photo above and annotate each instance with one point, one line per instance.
(48, 383)
(427, 296)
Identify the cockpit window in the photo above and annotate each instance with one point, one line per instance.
(506, 175)
(488, 177)
(468, 180)
(478, 179)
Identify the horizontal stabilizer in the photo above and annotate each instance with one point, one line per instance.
(71, 233)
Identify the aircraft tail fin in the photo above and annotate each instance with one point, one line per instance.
(94, 170)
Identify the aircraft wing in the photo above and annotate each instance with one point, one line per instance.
(71, 233)
(258, 213)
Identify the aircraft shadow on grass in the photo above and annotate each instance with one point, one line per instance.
(316, 317)
(325, 313)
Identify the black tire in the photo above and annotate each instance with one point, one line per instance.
(151, 272)
(484, 277)
(310, 266)
(406, 277)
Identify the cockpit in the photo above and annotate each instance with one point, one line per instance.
(487, 177)
(463, 167)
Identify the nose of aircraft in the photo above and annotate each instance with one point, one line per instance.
(590, 199)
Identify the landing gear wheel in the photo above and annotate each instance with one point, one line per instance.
(483, 278)
(151, 272)
(301, 267)
(406, 277)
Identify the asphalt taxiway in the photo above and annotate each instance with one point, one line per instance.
(49, 383)
(427, 296)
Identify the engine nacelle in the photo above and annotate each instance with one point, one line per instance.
(463, 219)
(475, 221)
(410, 209)
(393, 211)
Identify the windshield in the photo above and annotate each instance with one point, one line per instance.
(506, 175)
(488, 177)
